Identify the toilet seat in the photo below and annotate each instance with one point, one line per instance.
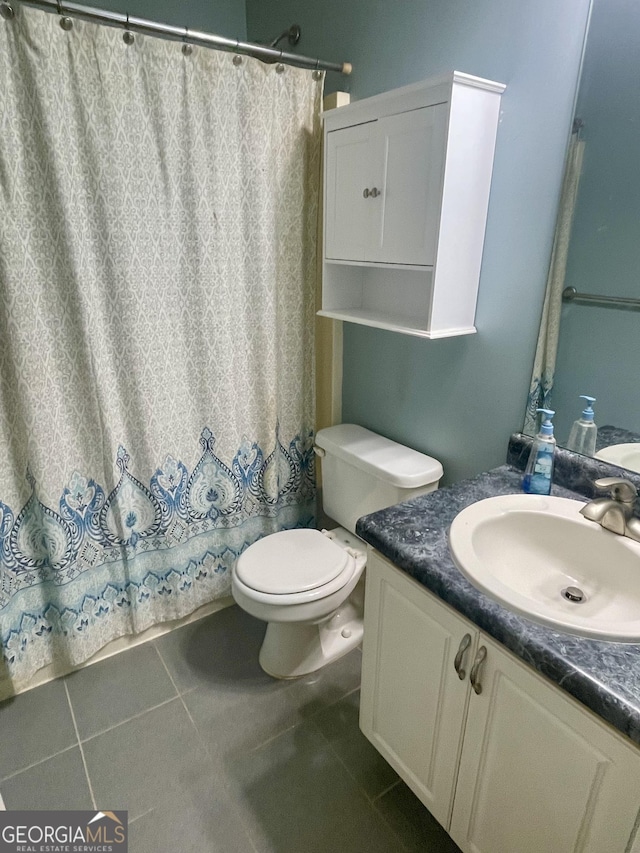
(293, 566)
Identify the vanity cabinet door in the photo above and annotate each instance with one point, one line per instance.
(413, 702)
(537, 773)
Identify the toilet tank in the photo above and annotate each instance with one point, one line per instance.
(363, 472)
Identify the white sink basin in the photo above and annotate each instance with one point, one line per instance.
(625, 455)
(525, 550)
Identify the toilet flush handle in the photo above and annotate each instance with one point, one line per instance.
(319, 451)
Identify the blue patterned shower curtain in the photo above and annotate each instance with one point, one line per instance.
(157, 281)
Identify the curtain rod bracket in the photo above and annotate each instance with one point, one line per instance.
(292, 35)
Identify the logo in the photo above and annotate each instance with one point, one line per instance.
(63, 832)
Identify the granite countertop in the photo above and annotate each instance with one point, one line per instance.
(604, 676)
(608, 435)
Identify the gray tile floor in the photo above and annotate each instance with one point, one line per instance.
(208, 753)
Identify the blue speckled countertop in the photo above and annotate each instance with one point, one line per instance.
(608, 435)
(603, 676)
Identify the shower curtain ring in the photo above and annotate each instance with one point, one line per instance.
(6, 11)
(317, 74)
(187, 49)
(128, 37)
(65, 21)
(237, 59)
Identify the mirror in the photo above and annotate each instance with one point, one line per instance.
(597, 247)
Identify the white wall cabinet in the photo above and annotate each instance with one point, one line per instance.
(407, 181)
(385, 177)
(519, 766)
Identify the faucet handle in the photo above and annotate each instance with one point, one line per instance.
(620, 489)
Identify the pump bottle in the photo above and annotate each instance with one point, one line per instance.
(582, 438)
(538, 474)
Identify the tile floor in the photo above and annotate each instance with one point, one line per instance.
(208, 753)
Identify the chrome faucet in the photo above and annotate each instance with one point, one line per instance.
(616, 512)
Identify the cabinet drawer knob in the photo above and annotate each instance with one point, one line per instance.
(474, 678)
(375, 192)
(465, 642)
(366, 193)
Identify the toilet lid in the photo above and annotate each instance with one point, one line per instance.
(291, 561)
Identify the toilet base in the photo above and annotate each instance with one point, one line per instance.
(292, 649)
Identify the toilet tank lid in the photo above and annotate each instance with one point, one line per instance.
(396, 464)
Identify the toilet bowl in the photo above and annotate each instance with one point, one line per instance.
(302, 583)
(308, 585)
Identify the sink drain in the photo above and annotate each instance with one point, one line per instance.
(573, 593)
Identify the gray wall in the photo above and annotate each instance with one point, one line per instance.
(459, 399)
(599, 352)
(222, 17)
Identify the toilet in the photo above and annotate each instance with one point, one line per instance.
(308, 585)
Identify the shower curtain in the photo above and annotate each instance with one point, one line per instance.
(157, 278)
(544, 364)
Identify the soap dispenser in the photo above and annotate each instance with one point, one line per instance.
(582, 438)
(538, 474)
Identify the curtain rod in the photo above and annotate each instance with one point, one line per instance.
(184, 34)
(570, 294)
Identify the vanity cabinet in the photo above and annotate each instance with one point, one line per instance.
(407, 180)
(501, 757)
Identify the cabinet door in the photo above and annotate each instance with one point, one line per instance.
(536, 773)
(352, 166)
(413, 702)
(412, 149)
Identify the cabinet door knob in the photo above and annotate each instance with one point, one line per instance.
(465, 642)
(366, 193)
(375, 192)
(474, 678)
